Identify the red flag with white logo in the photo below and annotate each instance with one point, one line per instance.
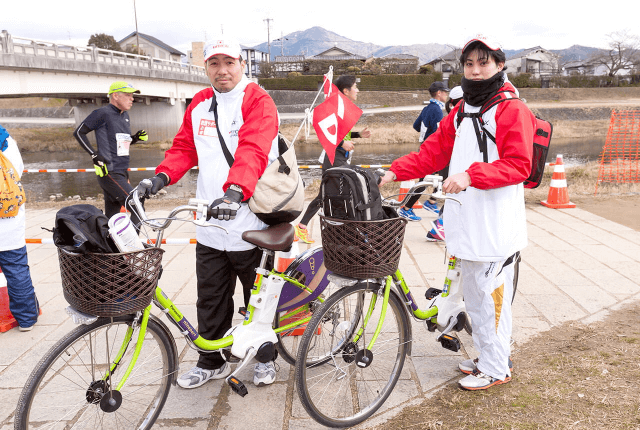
(333, 119)
(328, 88)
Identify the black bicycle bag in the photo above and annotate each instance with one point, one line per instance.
(352, 193)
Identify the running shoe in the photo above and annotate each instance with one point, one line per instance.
(430, 207)
(408, 214)
(303, 235)
(198, 376)
(477, 380)
(264, 374)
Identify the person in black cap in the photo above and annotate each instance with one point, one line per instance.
(426, 124)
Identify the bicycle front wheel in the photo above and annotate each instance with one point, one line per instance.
(352, 382)
(72, 387)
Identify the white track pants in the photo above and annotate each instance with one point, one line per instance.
(488, 290)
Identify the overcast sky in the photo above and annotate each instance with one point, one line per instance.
(552, 24)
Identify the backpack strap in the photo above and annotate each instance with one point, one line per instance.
(478, 122)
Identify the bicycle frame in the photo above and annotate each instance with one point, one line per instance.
(444, 310)
(193, 338)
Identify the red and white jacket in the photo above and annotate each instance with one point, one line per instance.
(248, 121)
(490, 225)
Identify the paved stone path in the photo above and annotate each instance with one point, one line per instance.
(578, 266)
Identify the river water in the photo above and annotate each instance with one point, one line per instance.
(39, 186)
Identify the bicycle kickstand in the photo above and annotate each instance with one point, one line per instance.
(237, 385)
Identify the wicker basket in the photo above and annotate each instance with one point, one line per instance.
(362, 249)
(109, 285)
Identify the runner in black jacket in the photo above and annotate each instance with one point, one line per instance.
(113, 135)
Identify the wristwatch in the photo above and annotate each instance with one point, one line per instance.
(236, 188)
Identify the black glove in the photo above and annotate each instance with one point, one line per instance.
(141, 135)
(153, 185)
(226, 208)
(100, 164)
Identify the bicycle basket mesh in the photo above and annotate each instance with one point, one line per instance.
(362, 249)
(109, 285)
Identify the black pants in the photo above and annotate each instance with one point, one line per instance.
(316, 203)
(217, 272)
(116, 189)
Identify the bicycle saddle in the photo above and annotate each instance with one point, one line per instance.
(276, 238)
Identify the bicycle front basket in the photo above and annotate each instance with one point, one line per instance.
(109, 285)
(362, 249)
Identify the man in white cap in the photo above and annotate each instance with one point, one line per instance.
(488, 230)
(242, 115)
(113, 135)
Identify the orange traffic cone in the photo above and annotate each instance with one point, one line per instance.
(405, 186)
(558, 194)
(286, 258)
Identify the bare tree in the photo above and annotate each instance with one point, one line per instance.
(623, 52)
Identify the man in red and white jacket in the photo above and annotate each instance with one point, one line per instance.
(489, 228)
(248, 123)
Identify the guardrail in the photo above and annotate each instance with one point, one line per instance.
(39, 48)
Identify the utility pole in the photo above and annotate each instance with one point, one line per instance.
(268, 37)
(135, 14)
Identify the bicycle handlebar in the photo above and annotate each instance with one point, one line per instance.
(434, 181)
(195, 205)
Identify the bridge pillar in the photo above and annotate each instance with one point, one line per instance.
(160, 118)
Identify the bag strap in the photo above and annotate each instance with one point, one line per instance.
(225, 150)
(478, 122)
(284, 168)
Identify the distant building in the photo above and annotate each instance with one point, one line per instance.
(285, 64)
(538, 62)
(337, 57)
(150, 46)
(336, 53)
(399, 64)
(254, 58)
(447, 63)
(195, 57)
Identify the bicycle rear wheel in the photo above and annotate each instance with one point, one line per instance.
(335, 390)
(70, 386)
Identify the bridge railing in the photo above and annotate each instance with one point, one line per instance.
(38, 48)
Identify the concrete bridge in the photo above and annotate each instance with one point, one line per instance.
(33, 68)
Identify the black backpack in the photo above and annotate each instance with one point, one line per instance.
(352, 193)
(82, 229)
(541, 136)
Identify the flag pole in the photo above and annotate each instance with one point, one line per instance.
(327, 77)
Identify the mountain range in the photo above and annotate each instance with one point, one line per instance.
(315, 40)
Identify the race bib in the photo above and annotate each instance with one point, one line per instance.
(123, 141)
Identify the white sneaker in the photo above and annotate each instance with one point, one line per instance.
(198, 376)
(264, 374)
(481, 381)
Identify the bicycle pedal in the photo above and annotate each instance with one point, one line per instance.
(237, 386)
(432, 293)
(449, 342)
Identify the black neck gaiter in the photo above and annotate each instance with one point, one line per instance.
(478, 92)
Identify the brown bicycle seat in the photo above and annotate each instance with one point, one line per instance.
(278, 237)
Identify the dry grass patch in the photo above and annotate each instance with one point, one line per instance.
(573, 376)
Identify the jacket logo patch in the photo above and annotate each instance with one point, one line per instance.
(207, 128)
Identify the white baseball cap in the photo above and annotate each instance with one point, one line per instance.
(456, 93)
(490, 43)
(228, 47)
